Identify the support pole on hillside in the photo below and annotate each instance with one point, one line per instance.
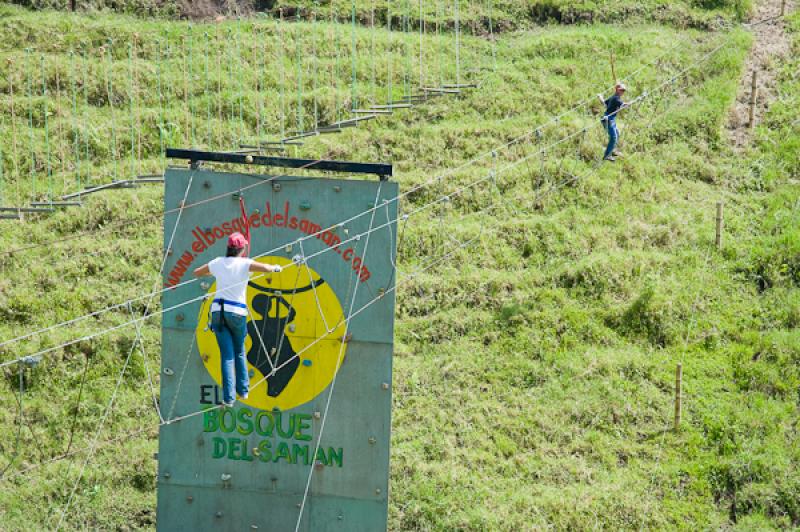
(783, 8)
(720, 222)
(753, 99)
(678, 386)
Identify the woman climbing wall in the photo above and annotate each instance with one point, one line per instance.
(229, 312)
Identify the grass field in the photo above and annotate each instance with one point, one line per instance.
(542, 357)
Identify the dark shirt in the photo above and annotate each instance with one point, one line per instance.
(613, 105)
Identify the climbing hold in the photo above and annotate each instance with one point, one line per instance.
(306, 362)
(249, 159)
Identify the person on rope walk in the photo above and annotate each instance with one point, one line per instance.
(229, 312)
(614, 105)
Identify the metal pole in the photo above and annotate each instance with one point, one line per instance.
(678, 386)
(753, 99)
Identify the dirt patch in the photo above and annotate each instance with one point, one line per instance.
(771, 44)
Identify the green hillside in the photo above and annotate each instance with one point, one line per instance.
(537, 336)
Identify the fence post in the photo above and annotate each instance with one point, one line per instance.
(753, 99)
(720, 223)
(678, 384)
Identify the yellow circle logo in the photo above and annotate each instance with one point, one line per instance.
(295, 329)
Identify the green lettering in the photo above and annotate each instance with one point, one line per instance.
(219, 448)
(245, 422)
(245, 456)
(321, 456)
(264, 451)
(261, 430)
(234, 445)
(228, 420)
(211, 420)
(335, 456)
(301, 425)
(298, 451)
(279, 425)
(283, 452)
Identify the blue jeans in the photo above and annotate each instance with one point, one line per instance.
(613, 136)
(230, 337)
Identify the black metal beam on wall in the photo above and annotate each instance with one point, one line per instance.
(383, 170)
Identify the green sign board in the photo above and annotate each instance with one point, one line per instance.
(310, 444)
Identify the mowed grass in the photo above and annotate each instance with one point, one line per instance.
(533, 369)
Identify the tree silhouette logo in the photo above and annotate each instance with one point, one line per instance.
(294, 344)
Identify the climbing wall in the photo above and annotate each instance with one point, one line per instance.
(309, 447)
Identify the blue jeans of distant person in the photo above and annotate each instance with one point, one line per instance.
(613, 136)
(230, 335)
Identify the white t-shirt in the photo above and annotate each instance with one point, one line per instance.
(232, 275)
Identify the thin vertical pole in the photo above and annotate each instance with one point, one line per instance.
(85, 114)
(439, 45)
(372, 52)
(389, 52)
(209, 97)
(458, 44)
(491, 36)
(314, 66)
(186, 91)
(259, 80)
(678, 396)
(297, 44)
(132, 88)
(753, 99)
(720, 223)
(30, 122)
(160, 54)
(14, 157)
(354, 87)
(110, 93)
(46, 132)
(282, 75)
(421, 34)
(77, 132)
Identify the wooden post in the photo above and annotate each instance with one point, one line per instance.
(753, 99)
(720, 223)
(678, 383)
(783, 8)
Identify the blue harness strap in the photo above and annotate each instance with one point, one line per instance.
(223, 302)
